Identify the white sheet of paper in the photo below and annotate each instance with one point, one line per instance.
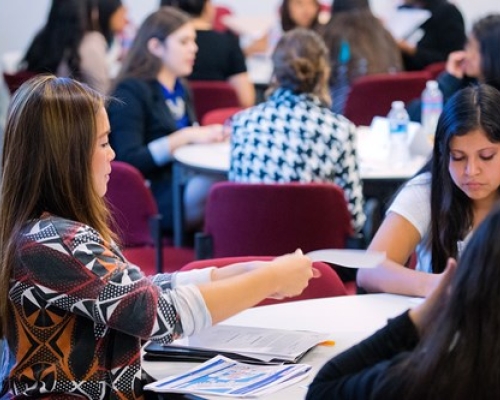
(348, 257)
(403, 22)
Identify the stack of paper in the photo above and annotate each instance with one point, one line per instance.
(223, 376)
(247, 344)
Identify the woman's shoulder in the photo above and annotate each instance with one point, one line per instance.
(446, 10)
(423, 179)
(136, 87)
(52, 226)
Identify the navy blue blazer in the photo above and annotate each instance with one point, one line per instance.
(138, 115)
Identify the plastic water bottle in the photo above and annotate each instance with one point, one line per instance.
(398, 133)
(432, 106)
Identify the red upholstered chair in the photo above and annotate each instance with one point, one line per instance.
(272, 219)
(327, 285)
(210, 95)
(372, 95)
(137, 222)
(219, 115)
(435, 69)
(13, 81)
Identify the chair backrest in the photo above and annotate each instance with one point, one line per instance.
(372, 95)
(210, 95)
(219, 115)
(132, 205)
(327, 285)
(435, 69)
(13, 81)
(220, 12)
(272, 219)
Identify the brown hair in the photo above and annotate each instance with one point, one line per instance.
(140, 63)
(50, 136)
(288, 24)
(301, 64)
(372, 49)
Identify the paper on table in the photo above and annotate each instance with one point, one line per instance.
(260, 343)
(348, 258)
(225, 377)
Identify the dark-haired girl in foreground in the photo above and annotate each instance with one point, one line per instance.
(446, 348)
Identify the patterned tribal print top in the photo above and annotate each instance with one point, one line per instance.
(293, 138)
(78, 311)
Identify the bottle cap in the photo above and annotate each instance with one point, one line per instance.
(398, 104)
(431, 85)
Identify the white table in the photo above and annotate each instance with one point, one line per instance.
(379, 175)
(348, 319)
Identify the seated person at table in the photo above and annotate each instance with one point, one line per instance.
(436, 212)
(219, 56)
(294, 136)
(293, 14)
(445, 348)
(359, 45)
(74, 311)
(76, 40)
(436, 38)
(478, 62)
(154, 115)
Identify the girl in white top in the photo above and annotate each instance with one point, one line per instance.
(434, 214)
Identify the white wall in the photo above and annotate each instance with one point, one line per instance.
(20, 19)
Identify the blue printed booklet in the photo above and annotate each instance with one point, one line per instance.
(226, 377)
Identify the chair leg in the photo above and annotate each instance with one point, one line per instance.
(154, 224)
(203, 246)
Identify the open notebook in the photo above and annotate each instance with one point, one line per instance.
(245, 344)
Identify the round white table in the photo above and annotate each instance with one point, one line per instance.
(379, 175)
(348, 319)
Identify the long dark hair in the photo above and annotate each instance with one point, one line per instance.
(487, 32)
(59, 40)
(286, 20)
(140, 63)
(458, 356)
(372, 49)
(451, 209)
(50, 136)
(106, 10)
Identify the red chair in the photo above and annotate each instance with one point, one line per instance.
(219, 115)
(13, 81)
(210, 95)
(372, 95)
(137, 222)
(272, 219)
(327, 285)
(220, 13)
(435, 69)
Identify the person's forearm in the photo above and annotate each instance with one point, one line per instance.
(244, 88)
(235, 269)
(178, 139)
(391, 277)
(226, 297)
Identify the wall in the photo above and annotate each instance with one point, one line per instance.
(17, 26)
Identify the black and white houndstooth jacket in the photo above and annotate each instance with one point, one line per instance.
(294, 138)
